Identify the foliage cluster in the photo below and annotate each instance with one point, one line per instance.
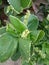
(24, 36)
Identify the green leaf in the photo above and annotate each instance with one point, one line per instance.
(25, 46)
(16, 56)
(37, 35)
(11, 30)
(45, 48)
(25, 3)
(2, 30)
(19, 5)
(33, 22)
(19, 26)
(8, 45)
(15, 4)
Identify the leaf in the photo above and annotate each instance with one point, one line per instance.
(19, 26)
(11, 30)
(41, 35)
(8, 45)
(16, 56)
(37, 35)
(15, 4)
(33, 22)
(25, 3)
(19, 5)
(2, 30)
(45, 48)
(25, 46)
